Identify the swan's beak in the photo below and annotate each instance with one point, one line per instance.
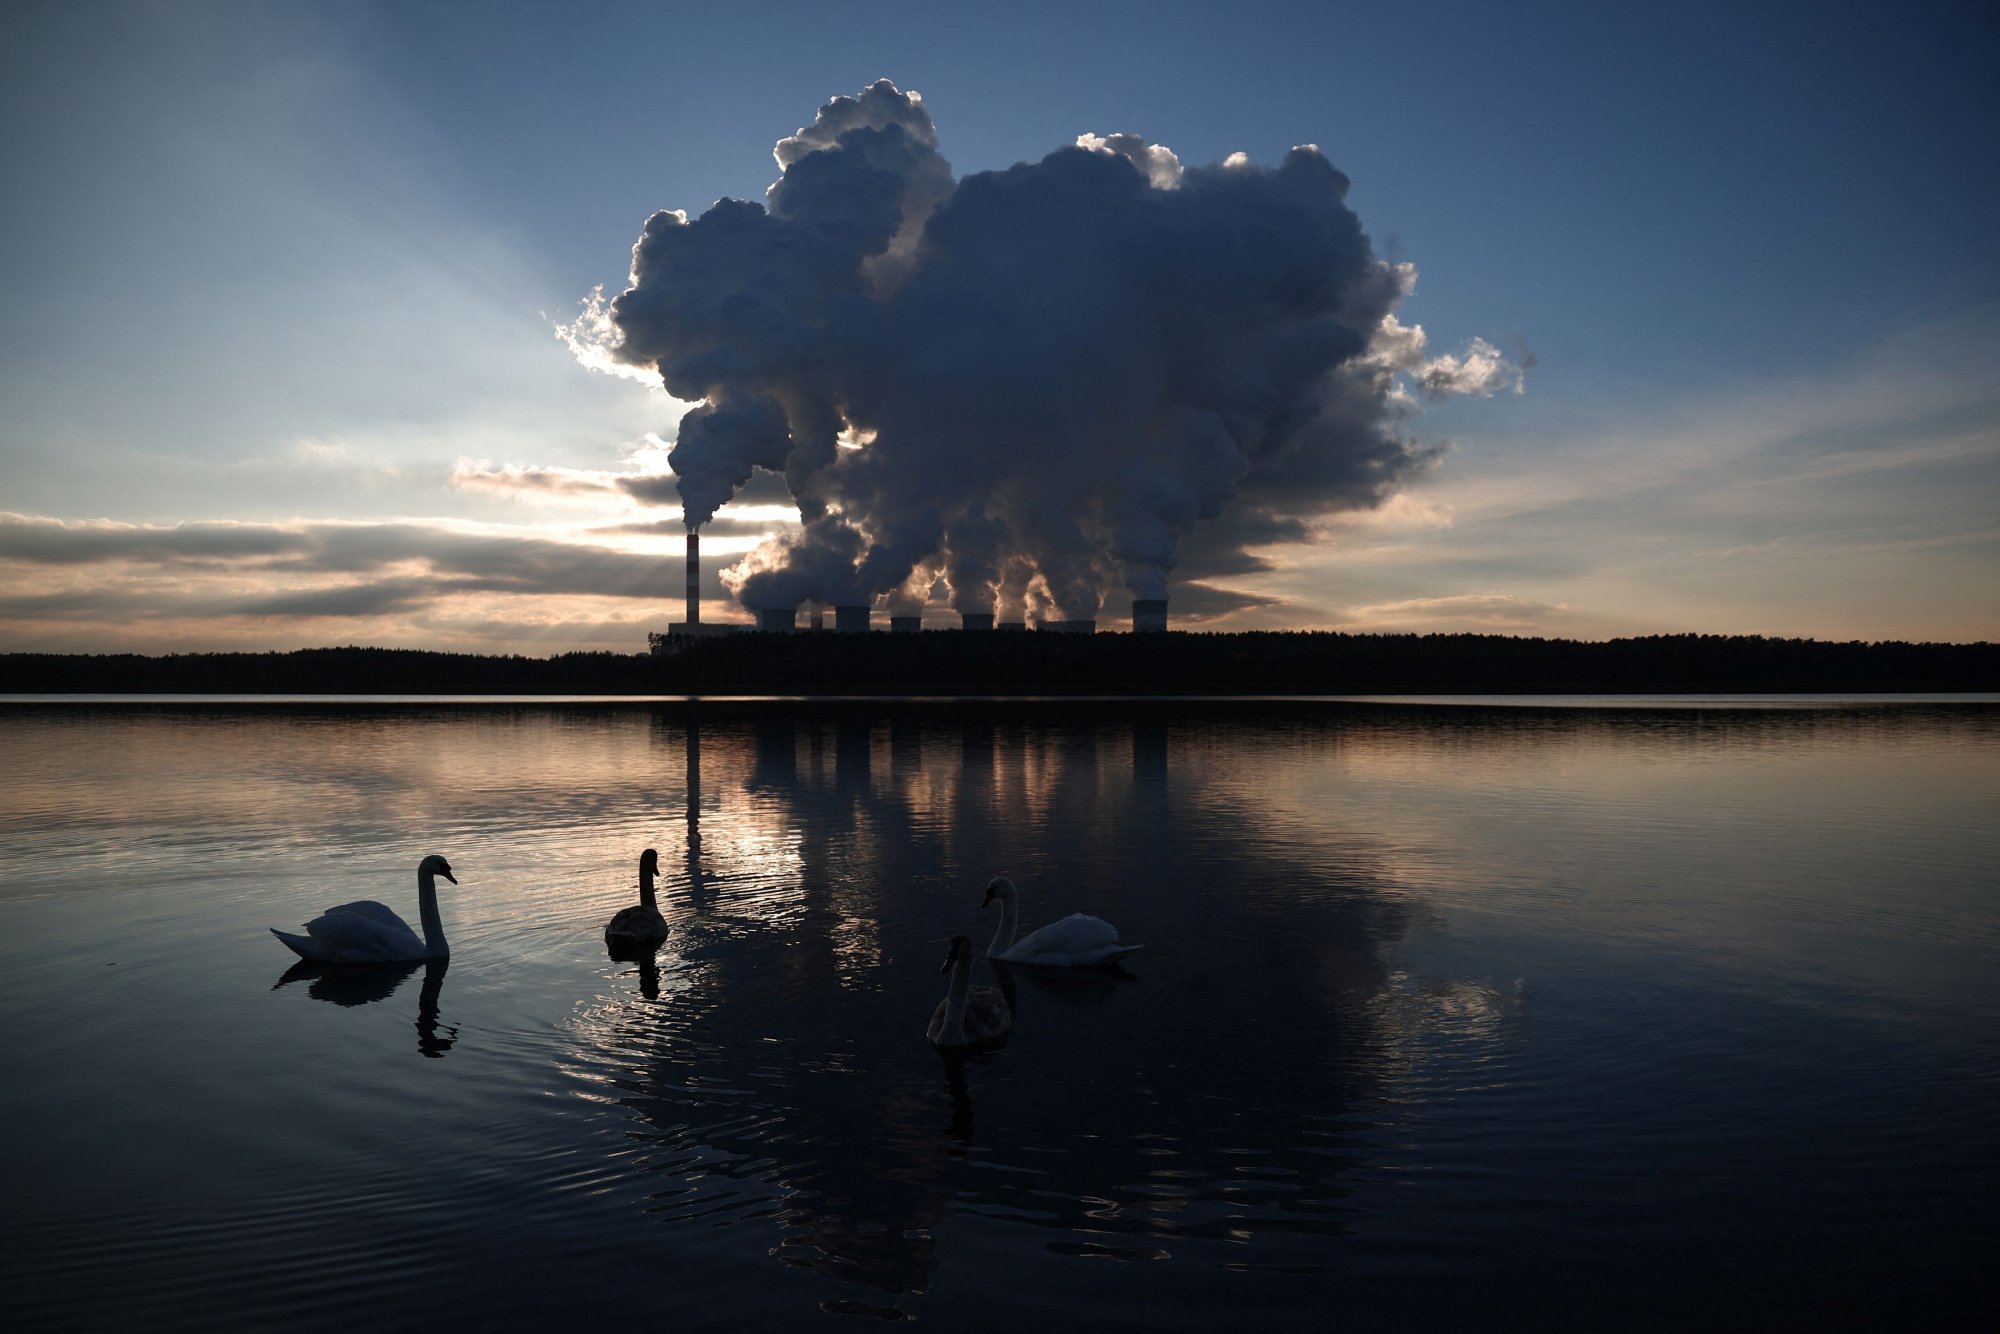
(988, 899)
(446, 873)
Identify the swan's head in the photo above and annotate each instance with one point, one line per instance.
(961, 948)
(649, 860)
(1000, 887)
(435, 865)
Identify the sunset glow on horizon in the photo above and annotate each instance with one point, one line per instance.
(305, 349)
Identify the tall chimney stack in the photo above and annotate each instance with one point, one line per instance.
(694, 580)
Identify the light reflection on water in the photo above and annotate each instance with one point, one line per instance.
(1441, 1011)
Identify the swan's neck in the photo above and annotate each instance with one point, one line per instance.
(953, 1030)
(427, 908)
(646, 888)
(1010, 922)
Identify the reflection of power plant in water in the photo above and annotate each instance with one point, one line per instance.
(771, 1082)
(788, 1081)
(696, 894)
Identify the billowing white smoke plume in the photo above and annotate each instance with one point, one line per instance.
(1030, 381)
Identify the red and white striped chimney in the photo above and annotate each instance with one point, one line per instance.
(694, 578)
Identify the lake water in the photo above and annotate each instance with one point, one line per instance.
(1447, 1016)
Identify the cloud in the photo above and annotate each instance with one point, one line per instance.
(232, 582)
(1493, 613)
(645, 480)
(1034, 383)
(1481, 369)
(739, 525)
(1195, 604)
(376, 599)
(53, 542)
(1854, 501)
(516, 481)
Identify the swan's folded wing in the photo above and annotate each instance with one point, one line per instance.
(1074, 934)
(986, 1012)
(354, 935)
(638, 920)
(381, 912)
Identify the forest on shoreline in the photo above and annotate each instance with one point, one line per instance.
(1004, 663)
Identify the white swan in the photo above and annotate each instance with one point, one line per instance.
(639, 929)
(367, 932)
(967, 1014)
(1074, 941)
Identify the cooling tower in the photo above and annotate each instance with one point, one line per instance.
(778, 620)
(977, 620)
(905, 625)
(851, 620)
(1149, 616)
(1069, 627)
(1010, 625)
(818, 621)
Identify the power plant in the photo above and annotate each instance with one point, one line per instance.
(904, 449)
(1149, 615)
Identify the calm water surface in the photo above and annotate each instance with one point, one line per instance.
(1577, 1018)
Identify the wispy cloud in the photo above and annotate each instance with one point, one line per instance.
(237, 583)
(1499, 613)
(520, 481)
(1854, 503)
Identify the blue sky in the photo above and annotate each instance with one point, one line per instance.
(283, 280)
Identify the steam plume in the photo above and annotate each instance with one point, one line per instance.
(1031, 382)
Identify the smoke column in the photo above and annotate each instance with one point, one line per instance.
(1032, 382)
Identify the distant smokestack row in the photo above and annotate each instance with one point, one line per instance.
(694, 579)
(1149, 615)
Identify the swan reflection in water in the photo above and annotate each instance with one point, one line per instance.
(647, 969)
(364, 984)
(958, 1088)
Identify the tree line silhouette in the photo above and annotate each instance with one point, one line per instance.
(1004, 663)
